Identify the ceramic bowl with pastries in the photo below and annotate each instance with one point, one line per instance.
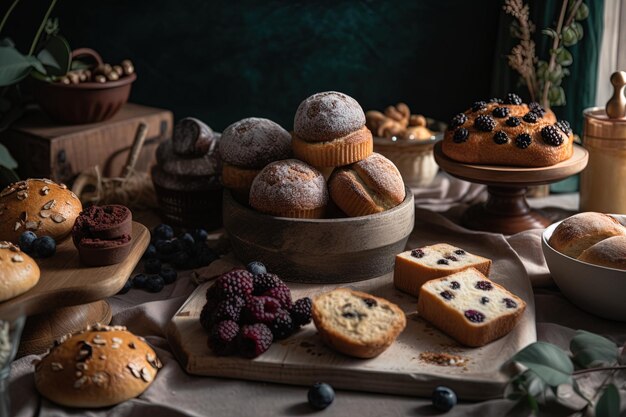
(407, 140)
(586, 255)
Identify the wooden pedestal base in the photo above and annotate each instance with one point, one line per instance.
(506, 211)
(41, 330)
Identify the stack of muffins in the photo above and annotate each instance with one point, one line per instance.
(186, 177)
(329, 136)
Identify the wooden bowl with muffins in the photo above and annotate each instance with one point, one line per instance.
(305, 226)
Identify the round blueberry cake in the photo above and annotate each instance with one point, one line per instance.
(508, 132)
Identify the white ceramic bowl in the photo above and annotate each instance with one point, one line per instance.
(596, 289)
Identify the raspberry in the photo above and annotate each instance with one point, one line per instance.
(479, 105)
(255, 339)
(264, 282)
(460, 135)
(551, 135)
(261, 309)
(458, 120)
(474, 316)
(530, 117)
(485, 123)
(512, 99)
(483, 285)
(223, 337)
(513, 121)
(523, 141)
(564, 126)
(282, 326)
(500, 112)
(301, 311)
(282, 294)
(229, 309)
(237, 282)
(501, 137)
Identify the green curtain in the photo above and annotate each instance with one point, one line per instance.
(579, 86)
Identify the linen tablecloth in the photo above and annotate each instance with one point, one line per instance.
(175, 393)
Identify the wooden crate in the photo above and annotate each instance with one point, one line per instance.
(45, 149)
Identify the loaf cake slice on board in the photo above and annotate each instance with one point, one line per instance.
(414, 267)
(469, 307)
(356, 323)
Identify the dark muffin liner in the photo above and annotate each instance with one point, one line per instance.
(190, 209)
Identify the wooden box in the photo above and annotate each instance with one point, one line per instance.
(45, 149)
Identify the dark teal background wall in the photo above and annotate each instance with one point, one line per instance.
(225, 60)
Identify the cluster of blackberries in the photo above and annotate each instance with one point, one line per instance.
(38, 247)
(246, 310)
(166, 253)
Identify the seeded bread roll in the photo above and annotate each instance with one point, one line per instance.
(98, 367)
(469, 307)
(415, 267)
(583, 230)
(330, 131)
(508, 132)
(369, 186)
(192, 137)
(18, 271)
(356, 323)
(290, 188)
(609, 252)
(38, 205)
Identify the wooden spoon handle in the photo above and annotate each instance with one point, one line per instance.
(140, 138)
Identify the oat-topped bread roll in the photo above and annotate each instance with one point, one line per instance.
(583, 230)
(356, 323)
(330, 131)
(369, 186)
(508, 132)
(609, 252)
(18, 271)
(98, 367)
(247, 146)
(39, 205)
(290, 188)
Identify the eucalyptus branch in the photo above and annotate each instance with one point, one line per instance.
(7, 14)
(572, 14)
(605, 368)
(43, 24)
(555, 45)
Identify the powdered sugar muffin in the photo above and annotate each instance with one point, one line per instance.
(247, 146)
(290, 188)
(330, 131)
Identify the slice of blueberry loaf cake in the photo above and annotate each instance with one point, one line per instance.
(356, 323)
(469, 307)
(414, 267)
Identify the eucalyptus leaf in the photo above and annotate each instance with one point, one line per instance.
(564, 57)
(556, 75)
(556, 95)
(532, 402)
(548, 362)
(550, 32)
(569, 35)
(56, 55)
(609, 403)
(7, 42)
(592, 350)
(35, 63)
(13, 66)
(6, 160)
(578, 28)
(583, 12)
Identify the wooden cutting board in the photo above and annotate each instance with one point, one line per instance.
(66, 282)
(302, 359)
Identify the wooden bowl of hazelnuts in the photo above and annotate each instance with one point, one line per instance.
(87, 95)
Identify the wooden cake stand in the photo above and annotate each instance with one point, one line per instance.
(506, 209)
(69, 296)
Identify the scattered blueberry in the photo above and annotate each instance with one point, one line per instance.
(154, 283)
(200, 235)
(26, 241)
(168, 274)
(443, 262)
(484, 300)
(321, 395)
(139, 280)
(483, 285)
(150, 252)
(444, 398)
(152, 266)
(163, 231)
(44, 247)
(181, 260)
(163, 247)
(176, 245)
(206, 255)
(127, 286)
(474, 316)
(188, 241)
(256, 268)
(459, 252)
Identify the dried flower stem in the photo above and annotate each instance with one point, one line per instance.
(522, 58)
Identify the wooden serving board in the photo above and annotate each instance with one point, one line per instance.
(302, 359)
(66, 282)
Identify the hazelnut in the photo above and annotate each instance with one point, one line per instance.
(100, 78)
